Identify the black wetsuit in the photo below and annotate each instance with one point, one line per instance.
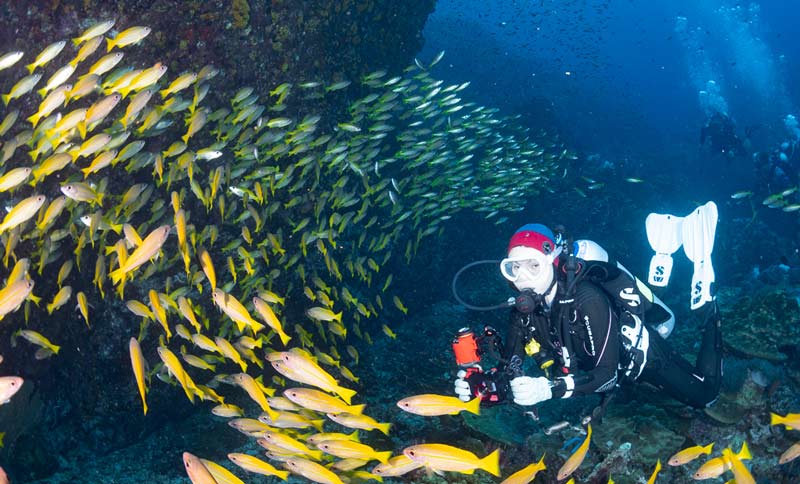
(597, 354)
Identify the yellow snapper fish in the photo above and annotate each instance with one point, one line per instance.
(312, 471)
(22, 212)
(9, 386)
(396, 466)
(14, 294)
(363, 422)
(790, 454)
(576, 458)
(320, 401)
(249, 384)
(791, 421)
(526, 474)
(95, 30)
(442, 457)
(269, 317)
(147, 250)
(14, 178)
(138, 364)
(221, 474)
(236, 311)
(38, 339)
(22, 87)
(353, 450)
(257, 466)
(324, 314)
(173, 364)
(305, 370)
(655, 472)
(429, 405)
(740, 473)
(286, 442)
(196, 470)
(128, 37)
(717, 466)
(689, 454)
(48, 54)
(8, 60)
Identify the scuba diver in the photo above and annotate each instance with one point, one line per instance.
(779, 168)
(720, 131)
(590, 326)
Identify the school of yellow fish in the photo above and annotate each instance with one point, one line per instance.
(211, 223)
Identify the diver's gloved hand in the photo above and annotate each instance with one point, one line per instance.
(530, 391)
(462, 387)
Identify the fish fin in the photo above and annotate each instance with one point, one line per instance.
(357, 409)
(473, 406)
(384, 427)
(383, 457)
(491, 463)
(346, 393)
(744, 453)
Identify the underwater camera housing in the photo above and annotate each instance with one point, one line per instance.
(490, 386)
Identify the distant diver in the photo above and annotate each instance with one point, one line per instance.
(720, 132)
(591, 326)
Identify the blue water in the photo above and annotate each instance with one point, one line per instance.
(633, 82)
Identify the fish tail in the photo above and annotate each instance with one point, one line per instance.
(50, 308)
(6, 98)
(41, 92)
(316, 454)
(707, 449)
(82, 129)
(354, 436)
(282, 475)
(383, 457)
(110, 45)
(31, 67)
(318, 424)
(744, 453)
(284, 338)
(491, 463)
(34, 119)
(117, 228)
(116, 276)
(144, 403)
(384, 427)
(473, 406)
(357, 409)
(775, 419)
(55, 348)
(338, 316)
(76, 41)
(346, 393)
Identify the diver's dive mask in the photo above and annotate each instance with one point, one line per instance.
(528, 268)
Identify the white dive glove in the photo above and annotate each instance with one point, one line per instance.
(530, 391)
(462, 387)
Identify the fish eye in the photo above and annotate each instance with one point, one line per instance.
(411, 452)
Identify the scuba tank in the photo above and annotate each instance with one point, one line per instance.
(625, 289)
